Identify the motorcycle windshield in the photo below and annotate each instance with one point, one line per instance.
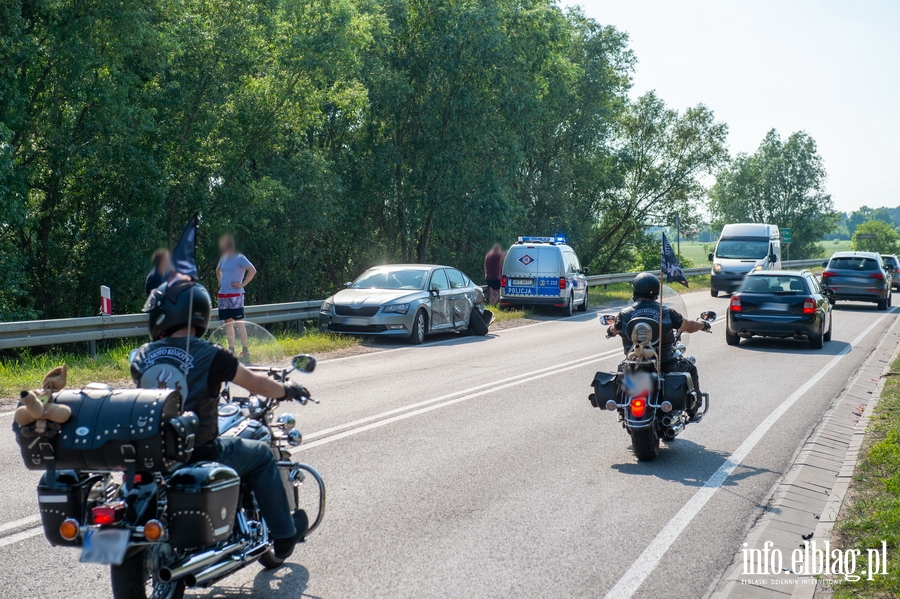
(261, 349)
(674, 301)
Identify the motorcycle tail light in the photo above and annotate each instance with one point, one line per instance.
(68, 530)
(562, 282)
(108, 513)
(809, 306)
(638, 406)
(735, 303)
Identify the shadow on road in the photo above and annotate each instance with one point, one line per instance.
(856, 308)
(772, 345)
(688, 463)
(288, 581)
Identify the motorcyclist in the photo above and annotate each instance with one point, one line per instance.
(646, 288)
(198, 374)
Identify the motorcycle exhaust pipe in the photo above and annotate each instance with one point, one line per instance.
(197, 562)
(674, 430)
(223, 569)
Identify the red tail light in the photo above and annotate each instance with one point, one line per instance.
(828, 273)
(877, 275)
(109, 513)
(809, 306)
(735, 303)
(638, 406)
(562, 282)
(503, 281)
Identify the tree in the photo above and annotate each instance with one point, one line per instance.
(885, 241)
(866, 214)
(782, 183)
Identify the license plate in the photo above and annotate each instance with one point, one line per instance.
(775, 307)
(356, 322)
(105, 546)
(523, 282)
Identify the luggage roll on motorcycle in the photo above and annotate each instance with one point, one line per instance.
(651, 404)
(167, 522)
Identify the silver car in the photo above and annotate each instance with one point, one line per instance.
(407, 300)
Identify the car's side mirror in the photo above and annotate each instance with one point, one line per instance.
(708, 315)
(773, 258)
(435, 292)
(585, 271)
(304, 363)
(825, 264)
(348, 284)
(710, 257)
(889, 268)
(829, 293)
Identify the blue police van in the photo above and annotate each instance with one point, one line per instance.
(543, 271)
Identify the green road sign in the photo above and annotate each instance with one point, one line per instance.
(785, 235)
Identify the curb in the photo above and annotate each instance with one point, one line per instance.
(806, 502)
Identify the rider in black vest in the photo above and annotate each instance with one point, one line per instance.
(198, 372)
(646, 289)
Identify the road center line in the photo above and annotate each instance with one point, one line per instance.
(647, 561)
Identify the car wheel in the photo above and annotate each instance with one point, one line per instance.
(731, 339)
(818, 341)
(827, 336)
(570, 308)
(583, 306)
(714, 292)
(883, 304)
(420, 328)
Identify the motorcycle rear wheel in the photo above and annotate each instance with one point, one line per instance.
(135, 580)
(645, 444)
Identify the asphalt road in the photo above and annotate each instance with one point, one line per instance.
(476, 467)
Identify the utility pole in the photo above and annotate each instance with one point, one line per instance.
(678, 234)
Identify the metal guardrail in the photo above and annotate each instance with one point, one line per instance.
(96, 328)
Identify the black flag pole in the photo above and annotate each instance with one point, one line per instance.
(662, 266)
(184, 262)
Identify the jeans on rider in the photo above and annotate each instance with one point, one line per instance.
(255, 463)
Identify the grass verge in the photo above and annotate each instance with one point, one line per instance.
(873, 513)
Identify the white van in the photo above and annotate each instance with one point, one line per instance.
(543, 271)
(743, 248)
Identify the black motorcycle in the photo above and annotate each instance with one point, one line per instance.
(167, 524)
(651, 405)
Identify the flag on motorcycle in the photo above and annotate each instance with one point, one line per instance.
(670, 265)
(184, 258)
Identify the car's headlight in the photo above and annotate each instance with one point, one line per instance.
(326, 307)
(717, 267)
(757, 267)
(396, 309)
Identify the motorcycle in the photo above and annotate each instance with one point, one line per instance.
(168, 524)
(651, 405)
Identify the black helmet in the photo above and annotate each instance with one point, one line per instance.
(168, 306)
(645, 286)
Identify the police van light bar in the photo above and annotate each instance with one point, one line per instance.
(558, 239)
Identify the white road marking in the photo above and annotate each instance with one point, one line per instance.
(21, 536)
(491, 389)
(492, 384)
(647, 561)
(19, 523)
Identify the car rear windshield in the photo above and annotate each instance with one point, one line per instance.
(777, 284)
(742, 249)
(853, 263)
(411, 278)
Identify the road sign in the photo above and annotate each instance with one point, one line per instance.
(867, 236)
(105, 301)
(785, 235)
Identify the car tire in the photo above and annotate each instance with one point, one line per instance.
(420, 328)
(583, 306)
(569, 309)
(827, 336)
(818, 341)
(714, 292)
(732, 339)
(477, 326)
(883, 304)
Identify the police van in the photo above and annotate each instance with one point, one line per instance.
(543, 271)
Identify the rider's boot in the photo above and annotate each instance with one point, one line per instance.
(283, 548)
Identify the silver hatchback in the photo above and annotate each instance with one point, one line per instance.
(407, 300)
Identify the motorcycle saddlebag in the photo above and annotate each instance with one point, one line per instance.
(62, 496)
(606, 387)
(203, 499)
(676, 389)
(115, 430)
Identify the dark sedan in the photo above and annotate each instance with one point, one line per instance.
(780, 303)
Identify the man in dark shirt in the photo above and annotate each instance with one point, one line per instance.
(176, 358)
(493, 267)
(160, 272)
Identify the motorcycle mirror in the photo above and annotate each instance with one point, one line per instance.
(708, 315)
(131, 355)
(608, 319)
(304, 363)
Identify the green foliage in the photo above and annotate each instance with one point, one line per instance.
(884, 243)
(782, 183)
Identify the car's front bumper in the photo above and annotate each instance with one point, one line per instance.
(395, 325)
(729, 283)
(774, 326)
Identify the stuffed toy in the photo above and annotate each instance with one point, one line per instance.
(37, 406)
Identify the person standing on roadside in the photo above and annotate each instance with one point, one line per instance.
(493, 265)
(234, 272)
(160, 273)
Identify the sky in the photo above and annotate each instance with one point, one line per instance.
(826, 67)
